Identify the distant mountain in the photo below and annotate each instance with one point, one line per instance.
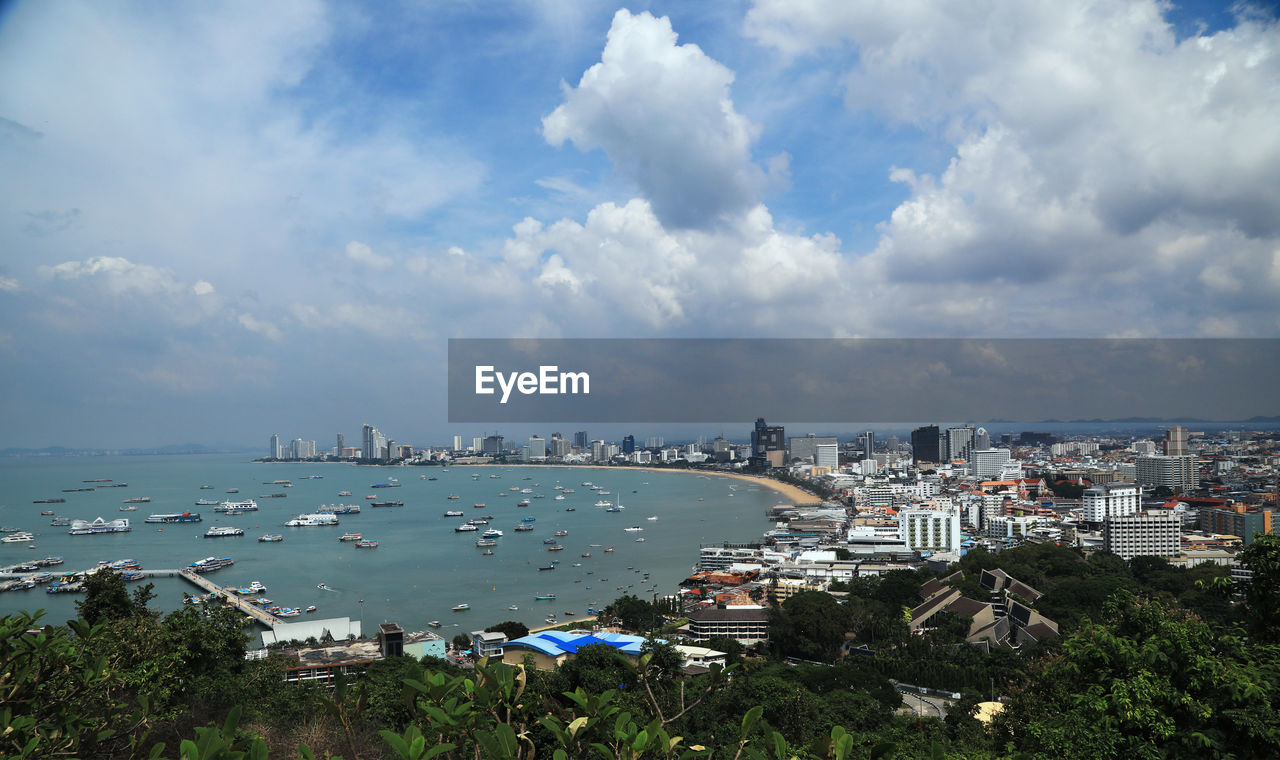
(173, 448)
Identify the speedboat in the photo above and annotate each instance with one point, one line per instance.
(513, 608)
(312, 608)
(461, 607)
(322, 587)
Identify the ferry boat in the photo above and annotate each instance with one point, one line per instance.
(367, 543)
(350, 537)
(461, 607)
(528, 519)
(522, 503)
(339, 509)
(209, 564)
(206, 502)
(465, 527)
(138, 500)
(312, 520)
(492, 533)
(453, 513)
(85, 527)
(175, 517)
(344, 493)
(223, 531)
(271, 538)
(523, 527)
(19, 537)
(387, 504)
(49, 501)
(248, 505)
(486, 542)
(561, 533)
(544, 597)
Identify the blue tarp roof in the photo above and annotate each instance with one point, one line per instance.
(573, 645)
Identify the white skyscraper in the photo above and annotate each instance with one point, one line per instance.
(537, 447)
(827, 455)
(273, 451)
(930, 530)
(1110, 500)
(988, 463)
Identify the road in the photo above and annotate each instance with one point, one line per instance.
(924, 706)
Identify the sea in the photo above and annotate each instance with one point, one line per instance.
(421, 568)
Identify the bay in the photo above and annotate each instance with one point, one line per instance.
(421, 568)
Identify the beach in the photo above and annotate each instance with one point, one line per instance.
(795, 494)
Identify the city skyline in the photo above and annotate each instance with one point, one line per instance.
(209, 233)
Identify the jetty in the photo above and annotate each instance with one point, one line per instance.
(253, 611)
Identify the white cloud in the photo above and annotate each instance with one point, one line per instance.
(119, 275)
(8, 284)
(202, 288)
(261, 327)
(663, 114)
(1092, 147)
(363, 254)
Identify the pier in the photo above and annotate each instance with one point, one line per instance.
(253, 611)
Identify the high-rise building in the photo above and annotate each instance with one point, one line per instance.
(477, 444)
(1110, 500)
(654, 442)
(1177, 473)
(1175, 441)
(342, 443)
(988, 463)
(629, 444)
(457, 443)
(930, 530)
(925, 444)
(1153, 533)
(827, 455)
(868, 444)
(981, 440)
(273, 450)
(598, 451)
(805, 449)
(537, 447)
(959, 442)
(1238, 520)
(560, 445)
(492, 445)
(581, 441)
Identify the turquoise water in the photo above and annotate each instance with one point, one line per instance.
(421, 568)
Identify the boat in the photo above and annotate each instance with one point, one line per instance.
(652, 518)
(633, 529)
(370, 497)
(138, 500)
(522, 503)
(572, 509)
(344, 493)
(640, 540)
(465, 527)
(547, 567)
(75, 490)
(555, 548)
(560, 497)
(586, 554)
(350, 537)
(49, 501)
(129, 508)
(608, 548)
(47, 512)
(288, 612)
(248, 505)
(548, 540)
(323, 587)
(385, 485)
(569, 490)
(85, 527)
(493, 533)
(561, 532)
(209, 564)
(543, 597)
(48, 561)
(206, 502)
(513, 607)
(312, 520)
(233, 490)
(223, 531)
(604, 503)
(528, 519)
(453, 496)
(569, 612)
(454, 513)
(271, 538)
(19, 537)
(206, 488)
(339, 509)
(387, 504)
(486, 542)
(367, 543)
(274, 496)
(550, 619)
(312, 608)
(434, 623)
(524, 527)
(461, 607)
(175, 517)
(478, 506)
(487, 553)
(478, 521)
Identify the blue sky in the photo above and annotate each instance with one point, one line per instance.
(247, 218)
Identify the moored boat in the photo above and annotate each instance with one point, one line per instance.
(271, 538)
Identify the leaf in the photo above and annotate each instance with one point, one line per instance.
(576, 725)
(750, 719)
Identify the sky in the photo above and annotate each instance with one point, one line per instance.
(224, 221)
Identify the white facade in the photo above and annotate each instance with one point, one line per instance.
(826, 455)
(930, 530)
(1174, 472)
(1110, 500)
(987, 463)
(1011, 526)
(1154, 533)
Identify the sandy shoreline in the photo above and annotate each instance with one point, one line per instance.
(796, 495)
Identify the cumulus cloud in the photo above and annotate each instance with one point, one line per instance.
(119, 275)
(8, 284)
(662, 112)
(261, 327)
(363, 254)
(1090, 142)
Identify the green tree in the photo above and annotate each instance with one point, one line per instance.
(513, 629)
(1262, 596)
(1149, 681)
(107, 599)
(810, 625)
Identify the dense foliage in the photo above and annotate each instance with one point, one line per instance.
(1154, 662)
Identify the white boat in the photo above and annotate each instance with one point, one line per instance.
(312, 520)
(98, 525)
(633, 529)
(513, 608)
(492, 533)
(604, 503)
(14, 538)
(651, 519)
(223, 531)
(560, 497)
(248, 505)
(465, 527)
(461, 607)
